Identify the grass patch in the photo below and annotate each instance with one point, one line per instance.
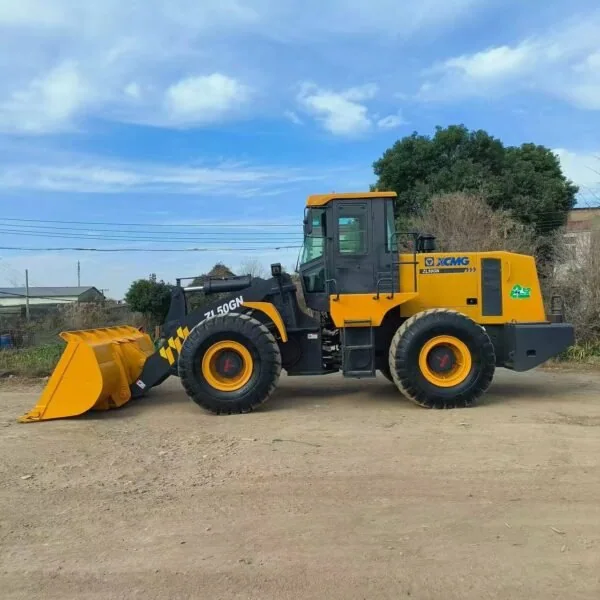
(31, 362)
(588, 352)
(578, 356)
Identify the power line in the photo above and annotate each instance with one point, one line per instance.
(141, 238)
(551, 218)
(42, 228)
(77, 249)
(276, 239)
(19, 223)
(223, 224)
(194, 225)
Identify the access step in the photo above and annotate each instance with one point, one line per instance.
(358, 349)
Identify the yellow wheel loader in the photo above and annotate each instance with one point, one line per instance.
(437, 325)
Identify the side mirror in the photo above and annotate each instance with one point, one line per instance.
(307, 224)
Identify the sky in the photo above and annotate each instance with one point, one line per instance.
(167, 125)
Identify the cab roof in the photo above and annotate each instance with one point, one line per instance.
(323, 199)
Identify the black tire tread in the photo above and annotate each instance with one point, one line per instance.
(246, 325)
(404, 382)
(386, 372)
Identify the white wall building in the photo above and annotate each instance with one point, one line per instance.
(13, 299)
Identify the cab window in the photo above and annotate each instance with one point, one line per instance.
(314, 243)
(352, 234)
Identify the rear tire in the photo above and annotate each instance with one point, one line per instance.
(442, 359)
(230, 364)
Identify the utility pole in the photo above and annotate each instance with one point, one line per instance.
(78, 274)
(27, 294)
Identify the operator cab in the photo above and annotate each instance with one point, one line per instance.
(350, 246)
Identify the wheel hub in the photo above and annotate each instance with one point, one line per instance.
(445, 361)
(441, 359)
(228, 364)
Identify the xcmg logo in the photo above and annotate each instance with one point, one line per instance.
(453, 261)
(448, 261)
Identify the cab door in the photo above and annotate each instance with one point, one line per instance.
(312, 267)
(352, 259)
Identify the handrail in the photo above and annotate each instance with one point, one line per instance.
(395, 264)
(377, 290)
(328, 281)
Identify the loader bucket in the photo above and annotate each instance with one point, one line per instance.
(94, 372)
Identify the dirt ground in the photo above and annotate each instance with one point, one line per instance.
(334, 490)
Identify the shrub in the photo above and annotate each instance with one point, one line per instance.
(577, 280)
(465, 222)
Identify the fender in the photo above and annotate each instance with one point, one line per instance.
(273, 314)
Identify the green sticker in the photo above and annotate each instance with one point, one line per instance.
(519, 292)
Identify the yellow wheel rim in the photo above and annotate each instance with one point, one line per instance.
(445, 361)
(227, 366)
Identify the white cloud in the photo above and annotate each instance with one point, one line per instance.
(494, 63)
(293, 117)
(341, 113)
(76, 174)
(288, 20)
(591, 64)
(49, 103)
(391, 121)
(71, 61)
(584, 90)
(127, 55)
(482, 73)
(584, 95)
(565, 63)
(583, 168)
(32, 13)
(361, 93)
(133, 90)
(204, 99)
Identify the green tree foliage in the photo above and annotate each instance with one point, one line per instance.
(525, 180)
(150, 297)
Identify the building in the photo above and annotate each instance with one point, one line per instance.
(14, 299)
(581, 222)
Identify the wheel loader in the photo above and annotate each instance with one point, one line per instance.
(435, 324)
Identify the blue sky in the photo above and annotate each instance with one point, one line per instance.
(170, 112)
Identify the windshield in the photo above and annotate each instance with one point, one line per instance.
(314, 242)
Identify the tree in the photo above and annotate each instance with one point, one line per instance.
(219, 271)
(150, 297)
(252, 266)
(525, 180)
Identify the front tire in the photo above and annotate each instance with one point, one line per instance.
(442, 359)
(230, 364)
(385, 371)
